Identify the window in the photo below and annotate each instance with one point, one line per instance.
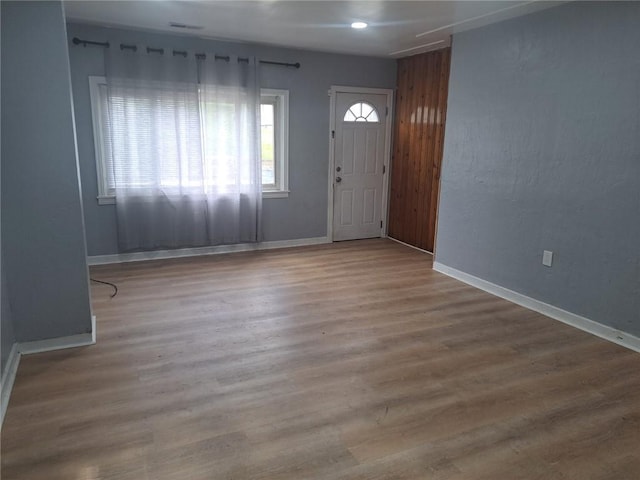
(274, 135)
(361, 112)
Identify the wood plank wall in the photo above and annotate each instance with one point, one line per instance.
(421, 106)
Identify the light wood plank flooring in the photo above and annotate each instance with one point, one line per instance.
(346, 361)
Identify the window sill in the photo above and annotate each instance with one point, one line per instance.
(106, 200)
(275, 193)
(111, 200)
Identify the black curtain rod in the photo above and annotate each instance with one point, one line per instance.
(84, 43)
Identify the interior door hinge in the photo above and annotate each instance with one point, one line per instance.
(384, 169)
(380, 223)
(386, 111)
(333, 134)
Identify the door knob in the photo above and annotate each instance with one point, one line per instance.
(338, 179)
(338, 169)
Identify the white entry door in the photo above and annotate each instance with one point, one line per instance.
(359, 164)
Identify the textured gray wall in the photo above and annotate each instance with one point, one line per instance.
(542, 151)
(7, 337)
(42, 224)
(304, 213)
(6, 324)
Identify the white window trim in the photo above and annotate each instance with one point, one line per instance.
(282, 141)
(96, 117)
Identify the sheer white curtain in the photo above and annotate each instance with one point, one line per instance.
(230, 115)
(182, 149)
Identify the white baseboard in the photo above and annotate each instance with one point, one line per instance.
(193, 252)
(39, 346)
(410, 246)
(8, 377)
(603, 331)
(50, 344)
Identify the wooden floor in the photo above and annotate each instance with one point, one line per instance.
(347, 361)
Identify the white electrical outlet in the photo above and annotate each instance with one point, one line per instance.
(547, 258)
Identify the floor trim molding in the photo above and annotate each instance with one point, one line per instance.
(38, 346)
(410, 246)
(603, 331)
(58, 343)
(193, 252)
(8, 377)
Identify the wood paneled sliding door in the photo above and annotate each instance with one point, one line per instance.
(421, 106)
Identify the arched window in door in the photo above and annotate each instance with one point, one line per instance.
(361, 112)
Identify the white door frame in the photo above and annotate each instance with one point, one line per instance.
(387, 151)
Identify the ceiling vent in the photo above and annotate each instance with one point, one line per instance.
(185, 26)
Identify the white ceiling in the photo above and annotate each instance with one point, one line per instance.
(396, 28)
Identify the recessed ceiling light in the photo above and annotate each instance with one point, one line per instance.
(359, 25)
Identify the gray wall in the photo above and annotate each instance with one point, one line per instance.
(542, 151)
(7, 335)
(42, 224)
(304, 213)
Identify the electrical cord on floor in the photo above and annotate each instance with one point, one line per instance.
(115, 287)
